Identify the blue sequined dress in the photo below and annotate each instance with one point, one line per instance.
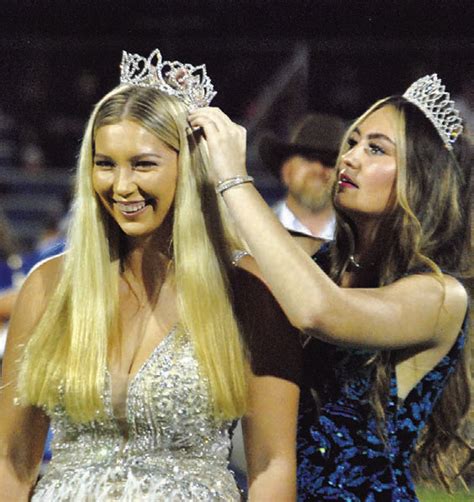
(340, 454)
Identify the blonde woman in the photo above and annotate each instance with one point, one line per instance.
(386, 381)
(143, 342)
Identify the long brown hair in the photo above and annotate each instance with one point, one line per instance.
(427, 228)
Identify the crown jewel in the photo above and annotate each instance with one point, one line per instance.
(430, 96)
(189, 83)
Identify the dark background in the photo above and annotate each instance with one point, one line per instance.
(378, 47)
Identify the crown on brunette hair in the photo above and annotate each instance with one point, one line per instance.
(430, 96)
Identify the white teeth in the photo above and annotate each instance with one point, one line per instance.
(131, 208)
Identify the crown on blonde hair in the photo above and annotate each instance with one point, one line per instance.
(189, 83)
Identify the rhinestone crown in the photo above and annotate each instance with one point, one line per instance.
(189, 83)
(430, 96)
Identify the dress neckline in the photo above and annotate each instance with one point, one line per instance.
(158, 347)
(133, 379)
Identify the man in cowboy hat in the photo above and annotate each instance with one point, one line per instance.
(305, 165)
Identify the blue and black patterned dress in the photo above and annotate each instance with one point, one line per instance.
(341, 456)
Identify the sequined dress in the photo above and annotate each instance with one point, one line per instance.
(168, 448)
(171, 450)
(340, 454)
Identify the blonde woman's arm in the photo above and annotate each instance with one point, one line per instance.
(269, 427)
(7, 302)
(23, 429)
(269, 431)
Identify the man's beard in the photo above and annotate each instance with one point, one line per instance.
(311, 198)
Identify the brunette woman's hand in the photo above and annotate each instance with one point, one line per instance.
(226, 142)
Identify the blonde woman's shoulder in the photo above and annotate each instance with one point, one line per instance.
(31, 302)
(47, 272)
(41, 282)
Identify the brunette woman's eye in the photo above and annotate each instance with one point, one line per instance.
(376, 149)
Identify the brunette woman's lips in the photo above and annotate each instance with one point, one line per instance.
(346, 181)
(130, 209)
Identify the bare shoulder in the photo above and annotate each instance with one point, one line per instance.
(448, 293)
(428, 287)
(37, 289)
(456, 294)
(45, 275)
(445, 301)
(454, 308)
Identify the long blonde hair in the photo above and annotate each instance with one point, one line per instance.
(66, 357)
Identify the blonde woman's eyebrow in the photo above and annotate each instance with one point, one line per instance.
(146, 155)
(133, 159)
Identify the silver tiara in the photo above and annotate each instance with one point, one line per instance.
(189, 83)
(430, 96)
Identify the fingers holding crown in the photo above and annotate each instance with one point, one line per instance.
(226, 141)
(212, 115)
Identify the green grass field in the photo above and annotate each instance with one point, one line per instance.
(431, 495)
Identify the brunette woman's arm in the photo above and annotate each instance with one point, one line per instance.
(416, 311)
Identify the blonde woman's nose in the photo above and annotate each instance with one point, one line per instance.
(124, 182)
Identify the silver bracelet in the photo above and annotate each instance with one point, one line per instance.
(238, 255)
(224, 185)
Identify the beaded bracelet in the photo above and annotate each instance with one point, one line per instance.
(224, 185)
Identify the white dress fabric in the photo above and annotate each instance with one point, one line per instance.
(167, 448)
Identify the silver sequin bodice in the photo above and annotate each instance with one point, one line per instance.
(169, 448)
